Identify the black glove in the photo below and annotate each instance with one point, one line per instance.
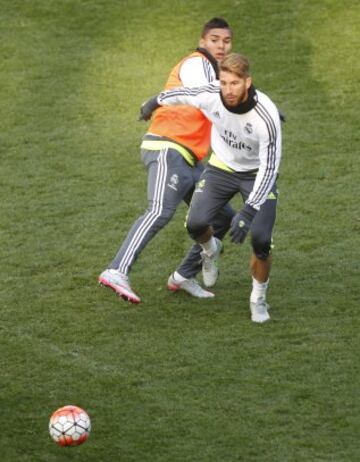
(282, 116)
(148, 108)
(241, 223)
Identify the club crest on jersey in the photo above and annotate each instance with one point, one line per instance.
(200, 186)
(248, 128)
(174, 181)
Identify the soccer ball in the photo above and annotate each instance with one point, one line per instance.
(69, 426)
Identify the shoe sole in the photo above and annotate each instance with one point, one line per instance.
(260, 321)
(122, 293)
(175, 288)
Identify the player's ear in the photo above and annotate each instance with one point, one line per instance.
(201, 43)
(248, 82)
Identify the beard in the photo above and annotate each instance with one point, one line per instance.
(235, 100)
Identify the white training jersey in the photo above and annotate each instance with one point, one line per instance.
(249, 141)
(196, 71)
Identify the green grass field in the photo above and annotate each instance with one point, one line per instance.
(174, 379)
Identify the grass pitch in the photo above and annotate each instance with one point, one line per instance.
(174, 379)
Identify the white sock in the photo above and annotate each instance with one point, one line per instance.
(209, 247)
(258, 290)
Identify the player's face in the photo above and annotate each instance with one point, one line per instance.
(234, 89)
(217, 42)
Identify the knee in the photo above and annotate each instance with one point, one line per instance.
(196, 227)
(261, 246)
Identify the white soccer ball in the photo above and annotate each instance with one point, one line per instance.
(69, 426)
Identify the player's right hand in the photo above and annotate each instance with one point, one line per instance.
(148, 107)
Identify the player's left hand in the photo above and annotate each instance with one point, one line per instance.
(282, 116)
(241, 223)
(148, 107)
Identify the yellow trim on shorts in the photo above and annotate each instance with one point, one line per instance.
(215, 162)
(156, 145)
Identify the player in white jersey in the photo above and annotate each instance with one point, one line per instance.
(246, 144)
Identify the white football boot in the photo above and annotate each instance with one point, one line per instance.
(259, 311)
(210, 270)
(191, 286)
(119, 283)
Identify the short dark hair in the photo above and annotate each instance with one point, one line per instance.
(215, 23)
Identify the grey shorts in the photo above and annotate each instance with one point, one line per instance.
(217, 187)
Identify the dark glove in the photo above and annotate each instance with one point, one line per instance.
(148, 108)
(282, 116)
(241, 223)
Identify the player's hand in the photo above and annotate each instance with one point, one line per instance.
(241, 223)
(148, 108)
(282, 116)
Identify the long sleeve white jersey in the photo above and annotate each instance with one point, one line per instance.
(246, 142)
(196, 71)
